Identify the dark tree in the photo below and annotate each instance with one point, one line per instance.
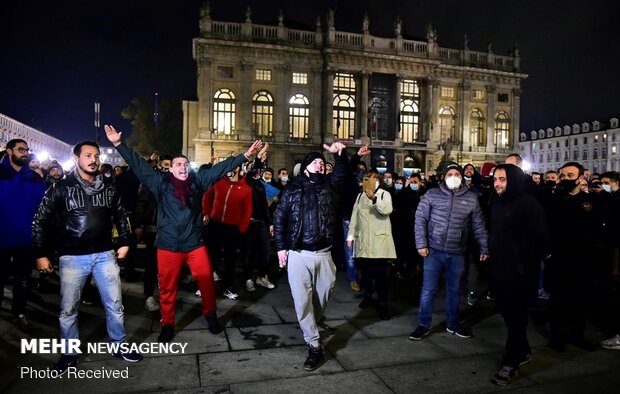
(146, 136)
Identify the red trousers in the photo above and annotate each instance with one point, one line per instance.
(169, 268)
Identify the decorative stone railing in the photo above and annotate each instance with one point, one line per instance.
(344, 40)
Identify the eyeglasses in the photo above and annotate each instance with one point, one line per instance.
(21, 150)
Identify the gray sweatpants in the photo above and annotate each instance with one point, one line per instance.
(312, 276)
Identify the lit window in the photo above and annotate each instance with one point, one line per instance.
(502, 130)
(604, 137)
(446, 124)
(613, 150)
(476, 128)
(344, 106)
(478, 94)
(298, 115)
(447, 92)
(262, 113)
(410, 110)
(263, 75)
(224, 104)
(225, 72)
(300, 78)
(596, 138)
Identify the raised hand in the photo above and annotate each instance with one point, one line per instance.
(113, 136)
(363, 151)
(336, 147)
(254, 148)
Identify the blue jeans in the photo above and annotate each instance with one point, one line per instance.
(73, 273)
(348, 253)
(434, 264)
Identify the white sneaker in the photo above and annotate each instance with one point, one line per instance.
(198, 293)
(249, 285)
(216, 277)
(611, 343)
(264, 281)
(231, 295)
(151, 304)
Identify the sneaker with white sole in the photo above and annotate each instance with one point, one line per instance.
(231, 295)
(611, 343)
(151, 304)
(419, 333)
(459, 331)
(264, 282)
(505, 375)
(249, 286)
(198, 293)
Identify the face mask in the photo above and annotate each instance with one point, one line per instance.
(398, 186)
(284, 179)
(453, 182)
(607, 188)
(550, 183)
(568, 184)
(388, 181)
(467, 178)
(414, 186)
(266, 180)
(422, 176)
(360, 175)
(316, 177)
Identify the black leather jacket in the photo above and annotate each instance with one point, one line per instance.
(306, 215)
(72, 222)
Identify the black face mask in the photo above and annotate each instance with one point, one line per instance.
(316, 177)
(568, 184)
(550, 184)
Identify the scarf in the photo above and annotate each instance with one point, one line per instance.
(181, 189)
(89, 188)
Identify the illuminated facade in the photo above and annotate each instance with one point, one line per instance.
(413, 102)
(595, 145)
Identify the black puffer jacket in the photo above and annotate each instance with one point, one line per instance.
(82, 223)
(306, 214)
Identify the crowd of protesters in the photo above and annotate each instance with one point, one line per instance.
(552, 236)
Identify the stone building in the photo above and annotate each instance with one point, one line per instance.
(413, 102)
(39, 143)
(595, 145)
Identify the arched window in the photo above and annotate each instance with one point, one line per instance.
(410, 111)
(344, 116)
(446, 124)
(502, 130)
(224, 104)
(262, 113)
(477, 136)
(298, 115)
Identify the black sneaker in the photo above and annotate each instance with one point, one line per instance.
(315, 357)
(130, 357)
(166, 334)
(505, 374)
(419, 333)
(214, 324)
(525, 359)
(459, 331)
(366, 302)
(64, 363)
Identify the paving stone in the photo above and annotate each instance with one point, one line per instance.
(355, 382)
(257, 365)
(264, 336)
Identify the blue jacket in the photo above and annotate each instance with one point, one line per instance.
(20, 195)
(443, 220)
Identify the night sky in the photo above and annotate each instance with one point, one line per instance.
(59, 57)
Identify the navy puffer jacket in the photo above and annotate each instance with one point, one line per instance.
(443, 220)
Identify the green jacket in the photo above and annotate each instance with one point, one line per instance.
(178, 228)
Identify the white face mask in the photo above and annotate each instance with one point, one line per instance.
(453, 182)
(388, 181)
(284, 179)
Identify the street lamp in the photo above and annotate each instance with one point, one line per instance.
(408, 167)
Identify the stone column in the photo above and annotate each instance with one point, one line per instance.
(244, 113)
(432, 92)
(398, 137)
(316, 113)
(328, 99)
(365, 75)
(490, 118)
(464, 116)
(283, 92)
(205, 97)
(516, 114)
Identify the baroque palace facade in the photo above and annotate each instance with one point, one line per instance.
(595, 145)
(413, 102)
